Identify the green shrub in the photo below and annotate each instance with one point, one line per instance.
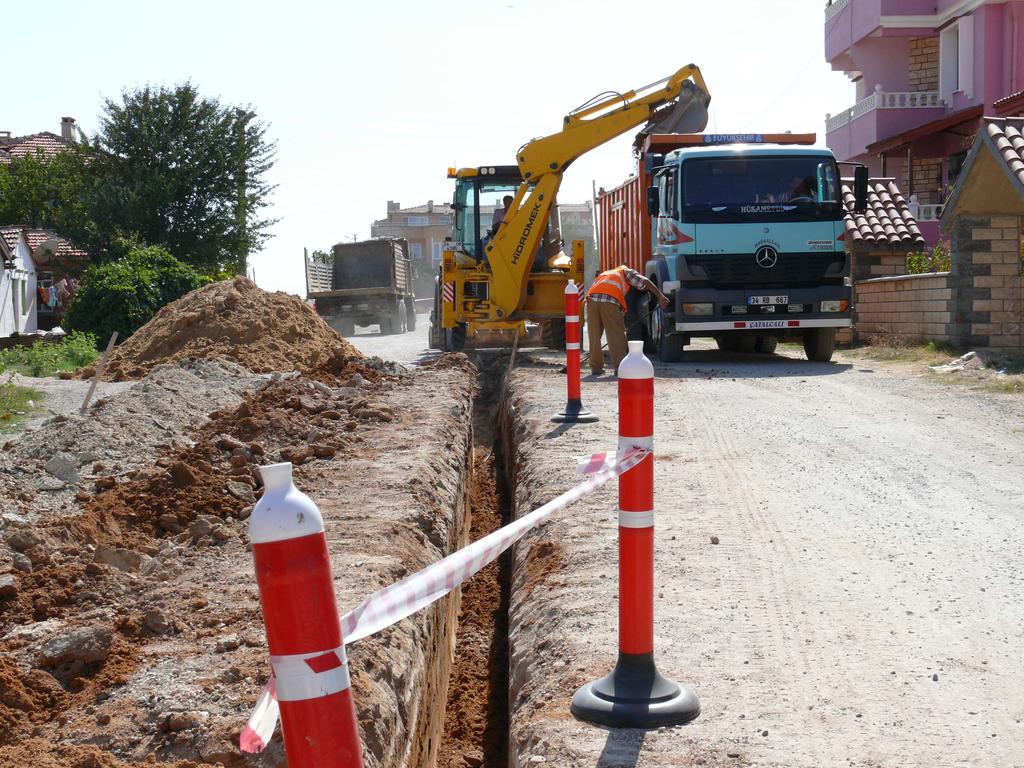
(923, 262)
(123, 294)
(41, 359)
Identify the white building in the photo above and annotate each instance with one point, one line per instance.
(18, 294)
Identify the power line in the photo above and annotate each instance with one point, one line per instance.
(785, 93)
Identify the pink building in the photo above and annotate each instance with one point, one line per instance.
(925, 71)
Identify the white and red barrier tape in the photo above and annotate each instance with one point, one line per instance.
(402, 599)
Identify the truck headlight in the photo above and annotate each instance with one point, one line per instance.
(698, 309)
(834, 306)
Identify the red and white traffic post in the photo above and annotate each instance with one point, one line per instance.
(574, 412)
(634, 694)
(307, 652)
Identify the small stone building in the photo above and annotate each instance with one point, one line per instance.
(888, 303)
(984, 219)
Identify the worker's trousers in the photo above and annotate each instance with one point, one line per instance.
(607, 318)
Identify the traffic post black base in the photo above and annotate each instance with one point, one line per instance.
(574, 413)
(635, 695)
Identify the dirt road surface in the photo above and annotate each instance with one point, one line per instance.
(863, 605)
(406, 348)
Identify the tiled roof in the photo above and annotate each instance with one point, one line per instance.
(67, 252)
(887, 220)
(1004, 137)
(1010, 105)
(20, 146)
(1007, 135)
(10, 236)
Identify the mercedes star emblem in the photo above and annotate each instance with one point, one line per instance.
(766, 257)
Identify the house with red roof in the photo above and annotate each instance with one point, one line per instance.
(44, 143)
(18, 289)
(925, 72)
(39, 278)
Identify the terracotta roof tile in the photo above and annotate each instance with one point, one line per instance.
(67, 252)
(1007, 134)
(887, 220)
(20, 146)
(10, 236)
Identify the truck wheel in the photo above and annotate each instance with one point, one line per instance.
(819, 344)
(400, 320)
(669, 345)
(766, 344)
(455, 339)
(433, 336)
(346, 328)
(552, 333)
(410, 312)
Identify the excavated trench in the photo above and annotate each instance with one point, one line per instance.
(476, 711)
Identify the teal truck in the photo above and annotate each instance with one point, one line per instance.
(744, 233)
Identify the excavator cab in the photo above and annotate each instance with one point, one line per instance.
(479, 206)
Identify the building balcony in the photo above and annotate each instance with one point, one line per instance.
(879, 116)
(847, 22)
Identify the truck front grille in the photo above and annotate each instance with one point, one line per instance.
(736, 270)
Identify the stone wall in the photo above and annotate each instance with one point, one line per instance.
(927, 179)
(906, 307)
(923, 67)
(990, 296)
(868, 264)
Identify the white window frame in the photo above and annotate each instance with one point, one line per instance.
(965, 55)
(956, 59)
(949, 64)
(436, 252)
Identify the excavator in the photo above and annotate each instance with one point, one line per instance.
(499, 272)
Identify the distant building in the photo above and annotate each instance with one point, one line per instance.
(925, 72)
(576, 222)
(425, 227)
(38, 279)
(45, 143)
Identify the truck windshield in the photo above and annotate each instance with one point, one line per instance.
(718, 189)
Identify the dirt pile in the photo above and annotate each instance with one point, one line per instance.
(237, 320)
(44, 470)
(126, 560)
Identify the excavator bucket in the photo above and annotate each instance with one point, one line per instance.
(687, 114)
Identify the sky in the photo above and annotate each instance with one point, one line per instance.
(373, 101)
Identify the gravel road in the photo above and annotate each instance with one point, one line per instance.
(863, 606)
(406, 348)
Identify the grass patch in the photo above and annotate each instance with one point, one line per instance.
(1006, 386)
(41, 359)
(930, 353)
(15, 404)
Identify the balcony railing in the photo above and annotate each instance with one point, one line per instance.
(833, 7)
(924, 211)
(884, 100)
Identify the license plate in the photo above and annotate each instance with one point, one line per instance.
(761, 300)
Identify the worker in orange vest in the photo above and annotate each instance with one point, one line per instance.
(606, 312)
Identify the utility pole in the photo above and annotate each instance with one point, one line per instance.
(241, 205)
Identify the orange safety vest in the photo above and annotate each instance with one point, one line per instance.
(613, 283)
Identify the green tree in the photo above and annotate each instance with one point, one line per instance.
(52, 193)
(123, 293)
(184, 172)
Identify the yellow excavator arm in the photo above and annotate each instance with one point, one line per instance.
(542, 161)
